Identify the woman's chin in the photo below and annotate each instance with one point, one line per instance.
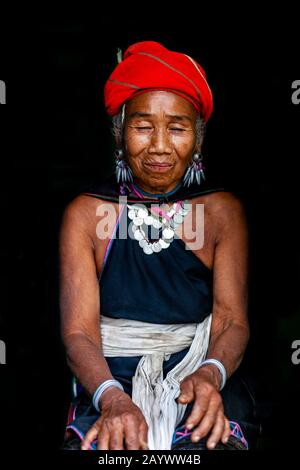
(157, 184)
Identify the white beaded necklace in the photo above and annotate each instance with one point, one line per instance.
(166, 222)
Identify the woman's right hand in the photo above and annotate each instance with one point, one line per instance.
(120, 426)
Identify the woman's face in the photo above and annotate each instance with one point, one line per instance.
(160, 139)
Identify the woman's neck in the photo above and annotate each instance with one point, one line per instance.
(158, 192)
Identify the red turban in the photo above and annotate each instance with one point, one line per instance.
(148, 66)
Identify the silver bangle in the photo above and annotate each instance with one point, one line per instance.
(221, 368)
(102, 388)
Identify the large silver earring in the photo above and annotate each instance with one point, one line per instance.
(194, 172)
(123, 170)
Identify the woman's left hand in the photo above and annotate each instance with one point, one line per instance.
(207, 414)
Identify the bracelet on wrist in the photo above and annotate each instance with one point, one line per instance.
(220, 367)
(102, 387)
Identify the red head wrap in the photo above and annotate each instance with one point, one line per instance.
(148, 66)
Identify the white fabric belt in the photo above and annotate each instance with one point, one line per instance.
(155, 343)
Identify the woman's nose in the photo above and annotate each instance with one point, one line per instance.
(160, 142)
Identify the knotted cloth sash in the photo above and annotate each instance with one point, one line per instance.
(154, 395)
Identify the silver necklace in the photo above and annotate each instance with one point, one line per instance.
(164, 222)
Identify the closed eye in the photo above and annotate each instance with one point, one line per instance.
(147, 128)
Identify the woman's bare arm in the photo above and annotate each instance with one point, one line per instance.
(229, 330)
(121, 423)
(80, 298)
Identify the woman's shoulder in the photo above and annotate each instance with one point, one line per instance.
(84, 211)
(223, 199)
(223, 207)
(227, 213)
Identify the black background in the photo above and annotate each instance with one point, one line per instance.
(55, 137)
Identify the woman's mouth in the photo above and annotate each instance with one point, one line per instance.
(161, 167)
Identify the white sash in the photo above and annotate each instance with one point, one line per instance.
(155, 343)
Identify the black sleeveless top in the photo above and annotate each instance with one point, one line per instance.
(172, 286)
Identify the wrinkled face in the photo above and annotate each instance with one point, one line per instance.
(160, 139)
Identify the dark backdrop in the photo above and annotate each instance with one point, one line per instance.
(55, 138)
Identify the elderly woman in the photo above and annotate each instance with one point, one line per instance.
(154, 300)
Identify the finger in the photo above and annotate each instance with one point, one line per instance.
(217, 431)
(186, 392)
(144, 436)
(144, 445)
(103, 437)
(132, 438)
(207, 421)
(90, 436)
(199, 409)
(116, 441)
(227, 431)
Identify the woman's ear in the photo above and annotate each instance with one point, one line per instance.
(198, 148)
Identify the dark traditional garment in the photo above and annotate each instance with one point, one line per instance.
(172, 286)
